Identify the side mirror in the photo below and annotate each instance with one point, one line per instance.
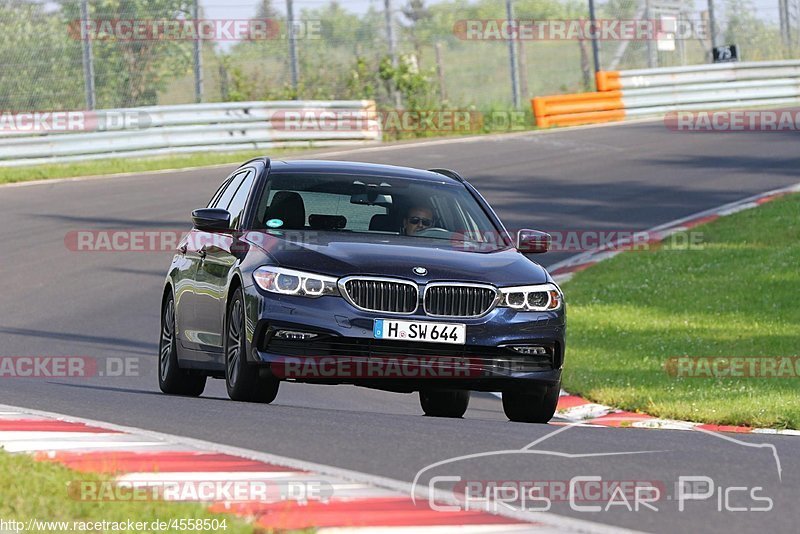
(533, 241)
(211, 219)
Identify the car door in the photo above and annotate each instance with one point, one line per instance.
(187, 292)
(216, 261)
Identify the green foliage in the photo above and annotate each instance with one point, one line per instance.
(757, 39)
(133, 72)
(40, 65)
(414, 86)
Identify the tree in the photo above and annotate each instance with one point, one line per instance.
(131, 72)
(416, 13)
(41, 65)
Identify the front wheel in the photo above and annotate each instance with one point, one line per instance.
(531, 407)
(171, 378)
(242, 380)
(444, 403)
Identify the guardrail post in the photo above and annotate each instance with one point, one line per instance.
(88, 62)
(652, 54)
(387, 14)
(290, 28)
(595, 48)
(512, 54)
(786, 28)
(197, 55)
(712, 24)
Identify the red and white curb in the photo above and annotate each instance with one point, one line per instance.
(356, 502)
(577, 409)
(563, 270)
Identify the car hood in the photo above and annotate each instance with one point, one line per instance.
(339, 254)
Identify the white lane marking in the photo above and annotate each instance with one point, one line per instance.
(48, 445)
(466, 529)
(213, 476)
(786, 432)
(38, 435)
(665, 424)
(561, 523)
(584, 412)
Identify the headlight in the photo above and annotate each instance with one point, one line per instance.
(290, 282)
(544, 297)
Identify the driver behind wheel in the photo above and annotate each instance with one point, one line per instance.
(417, 219)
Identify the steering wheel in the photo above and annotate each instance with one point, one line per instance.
(435, 231)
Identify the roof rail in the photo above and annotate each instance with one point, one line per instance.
(263, 159)
(447, 172)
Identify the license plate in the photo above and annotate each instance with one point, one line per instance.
(420, 331)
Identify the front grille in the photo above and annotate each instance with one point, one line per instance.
(374, 294)
(458, 300)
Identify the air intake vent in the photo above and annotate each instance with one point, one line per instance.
(459, 300)
(382, 295)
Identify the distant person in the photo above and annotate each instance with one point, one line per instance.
(417, 219)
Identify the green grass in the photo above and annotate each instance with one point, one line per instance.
(39, 490)
(737, 296)
(122, 165)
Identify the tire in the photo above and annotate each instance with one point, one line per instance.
(242, 380)
(531, 407)
(171, 378)
(444, 403)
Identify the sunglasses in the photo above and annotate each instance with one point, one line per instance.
(418, 220)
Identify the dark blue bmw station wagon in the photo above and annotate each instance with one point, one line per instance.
(351, 273)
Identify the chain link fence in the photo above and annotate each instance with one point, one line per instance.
(442, 54)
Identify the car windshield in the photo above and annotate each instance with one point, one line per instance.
(375, 205)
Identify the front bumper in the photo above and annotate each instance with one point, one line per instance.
(344, 350)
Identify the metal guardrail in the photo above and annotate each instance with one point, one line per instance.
(221, 127)
(641, 92)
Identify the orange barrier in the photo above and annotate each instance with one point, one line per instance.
(589, 117)
(608, 80)
(582, 108)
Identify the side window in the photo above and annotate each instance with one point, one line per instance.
(213, 202)
(237, 204)
(225, 198)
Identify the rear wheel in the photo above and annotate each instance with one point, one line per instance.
(531, 407)
(242, 380)
(444, 403)
(171, 378)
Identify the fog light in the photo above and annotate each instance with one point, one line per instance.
(294, 335)
(530, 350)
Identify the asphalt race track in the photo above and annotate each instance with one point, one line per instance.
(626, 177)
